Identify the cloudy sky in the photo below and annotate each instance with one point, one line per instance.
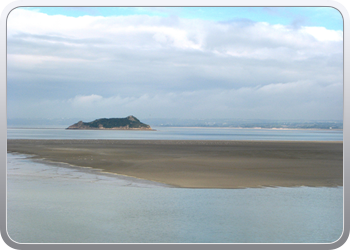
(246, 63)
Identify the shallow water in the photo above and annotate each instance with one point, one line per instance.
(178, 133)
(50, 204)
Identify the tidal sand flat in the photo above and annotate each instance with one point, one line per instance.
(200, 164)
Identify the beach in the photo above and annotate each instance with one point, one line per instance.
(200, 163)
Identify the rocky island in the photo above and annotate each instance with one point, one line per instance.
(130, 122)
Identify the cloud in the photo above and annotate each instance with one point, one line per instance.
(322, 34)
(294, 100)
(85, 101)
(171, 67)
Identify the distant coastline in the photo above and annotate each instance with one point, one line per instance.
(199, 127)
(213, 127)
(189, 123)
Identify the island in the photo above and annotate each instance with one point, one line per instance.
(127, 123)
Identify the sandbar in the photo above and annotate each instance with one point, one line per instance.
(200, 164)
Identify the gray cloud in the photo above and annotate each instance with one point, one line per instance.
(171, 67)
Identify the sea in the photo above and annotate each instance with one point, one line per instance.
(51, 203)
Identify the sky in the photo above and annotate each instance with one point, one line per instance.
(208, 62)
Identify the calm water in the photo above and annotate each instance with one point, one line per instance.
(54, 204)
(165, 133)
(63, 204)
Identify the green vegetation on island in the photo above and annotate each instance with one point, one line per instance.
(130, 122)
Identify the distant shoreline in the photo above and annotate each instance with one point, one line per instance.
(261, 128)
(258, 128)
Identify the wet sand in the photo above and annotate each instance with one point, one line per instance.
(200, 164)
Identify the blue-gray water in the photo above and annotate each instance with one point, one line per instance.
(62, 204)
(178, 133)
